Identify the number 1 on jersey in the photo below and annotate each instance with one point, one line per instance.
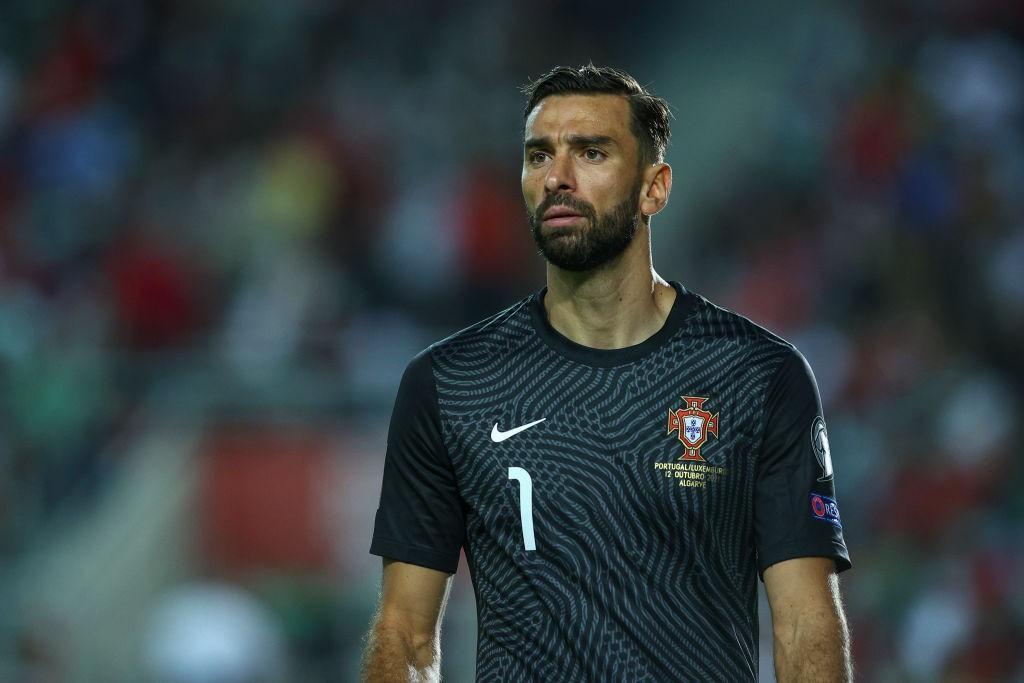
(525, 504)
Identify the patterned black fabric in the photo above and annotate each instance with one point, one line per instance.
(663, 478)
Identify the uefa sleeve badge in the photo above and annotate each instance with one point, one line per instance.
(825, 509)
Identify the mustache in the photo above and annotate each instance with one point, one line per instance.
(568, 201)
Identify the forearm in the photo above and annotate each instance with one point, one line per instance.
(395, 656)
(814, 645)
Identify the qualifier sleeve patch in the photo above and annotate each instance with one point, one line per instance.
(819, 443)
(825, 509)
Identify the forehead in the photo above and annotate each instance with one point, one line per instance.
(560, 115)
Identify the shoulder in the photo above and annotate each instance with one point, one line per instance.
(500, 332)
(716, 323)
(771, 362)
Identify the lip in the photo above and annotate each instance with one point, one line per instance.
(562, 221)
(560, 216)
(560, 212)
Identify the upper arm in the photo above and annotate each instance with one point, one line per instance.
(413, 598)
(810, 636)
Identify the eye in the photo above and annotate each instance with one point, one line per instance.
(593, 154)
(536, 157)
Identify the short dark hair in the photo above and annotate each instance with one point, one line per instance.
(650, 113)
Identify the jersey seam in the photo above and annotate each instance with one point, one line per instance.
(436, 402)
(759, 451)
(764, 409)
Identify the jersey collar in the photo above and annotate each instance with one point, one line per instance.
(683, 305)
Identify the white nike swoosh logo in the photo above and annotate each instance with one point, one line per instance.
(497, 436)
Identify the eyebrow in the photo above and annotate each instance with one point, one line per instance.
(574, 141)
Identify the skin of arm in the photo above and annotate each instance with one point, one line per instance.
(403, 644)
(812, 640)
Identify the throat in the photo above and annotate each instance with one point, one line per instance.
(613, 317)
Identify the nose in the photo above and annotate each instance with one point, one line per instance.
(560, 176)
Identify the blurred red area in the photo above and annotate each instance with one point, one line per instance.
(157, 293)
(261, 508)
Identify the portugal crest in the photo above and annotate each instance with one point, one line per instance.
(693, 424)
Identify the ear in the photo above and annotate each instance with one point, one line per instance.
(656, 186)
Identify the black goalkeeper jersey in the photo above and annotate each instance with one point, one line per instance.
(616, 506)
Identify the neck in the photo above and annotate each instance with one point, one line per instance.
(619, 304)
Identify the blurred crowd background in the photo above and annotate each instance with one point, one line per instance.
(226, 226)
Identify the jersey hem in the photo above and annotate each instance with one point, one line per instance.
(833, 551)
(423, 557)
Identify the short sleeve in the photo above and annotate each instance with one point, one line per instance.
(796, 513)
(421, 517)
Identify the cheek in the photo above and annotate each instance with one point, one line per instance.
(532, 189)
(603, 187)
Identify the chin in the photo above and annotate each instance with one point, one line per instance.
(561, 233)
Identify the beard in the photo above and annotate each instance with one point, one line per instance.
(594, 244)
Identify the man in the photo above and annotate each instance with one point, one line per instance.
(620, 458)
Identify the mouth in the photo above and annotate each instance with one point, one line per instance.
(560, 216)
